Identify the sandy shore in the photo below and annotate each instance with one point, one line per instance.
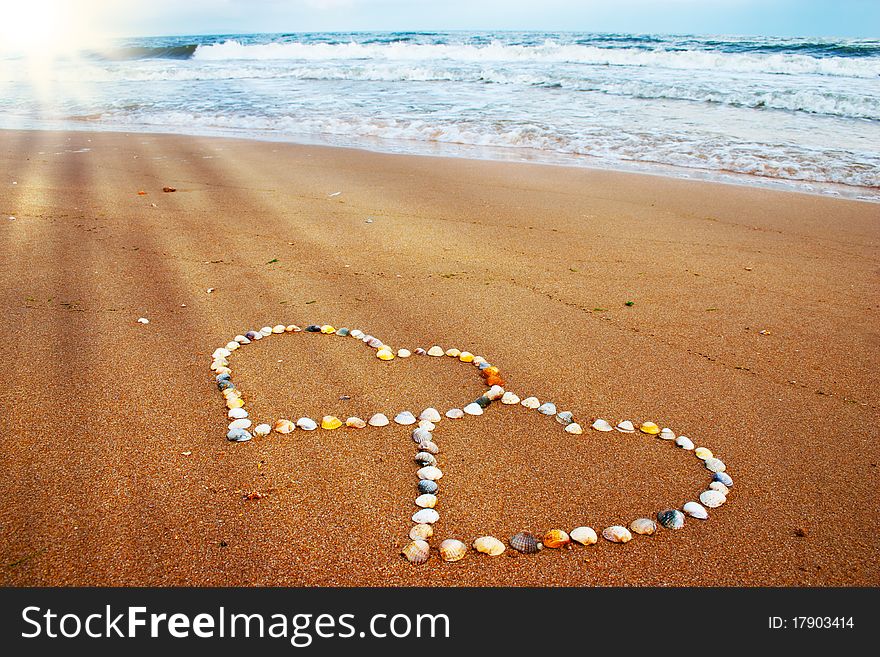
(754, 330)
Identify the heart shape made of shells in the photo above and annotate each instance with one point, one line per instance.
(418, 550)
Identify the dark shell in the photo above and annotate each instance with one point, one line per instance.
(671, 518)
(483, 402)
(343, 331)
(426, 486)
(223, 377)
(313, 328)
(724, 478)
(525, 542)
(483, 366)
(225, 384)
(250, 335)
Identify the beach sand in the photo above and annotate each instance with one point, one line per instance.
(753, 330)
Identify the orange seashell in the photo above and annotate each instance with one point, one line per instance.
(556, 538)
(489, 371)
(494, 381)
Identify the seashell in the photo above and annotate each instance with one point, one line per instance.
(262, 430)
(473, 409)
(222, 377)
(649, 428)
(452, 550)
(547, 408)
(509, 398)
(703, 453)
(430, 472)
(454, 413)
(483, 402)
(426, 501)
(483, 365)
(466, 357)
(453, 352)
(327, 329)
(251, 335)
(671, 518)
(626, 427)
(530, 402)
(428, 486)
(435, 351)
(378, 420)
(666, 434)
(405, 418)
(479, 360)
(601, 425)
(564, 417)
(307, 423)
(421, 532)
(356, 333)
(344, 331)
(721, 488)
(385, 354)
(403, 353)
(237, 413)
(644, 526)
(240, 339)
(266, 331)
(421, 435)
(714, 464)
(241, 423)
(367, 339)
(220, 352)
(493, 393)
(426, 517)
(284, 426)
(355, 422)
(257, 336)
(574, 428)
(232, 345)
(223, 370)
(425, 458)
(234, 402)
(430, 414)
(417, 552)
(724, 478)
(556, 538)
(685, 443)
(279, 328)
(419, 351)
(712, 498)
(238, 435)
(616, 534)
(428, 426)
(584, 535)
(429, 446)
(330, 422)
(489, 545)
(696, 510)
(525, 542)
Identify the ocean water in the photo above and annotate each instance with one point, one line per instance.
(796, 113)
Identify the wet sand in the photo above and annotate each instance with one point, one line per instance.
(753, 330)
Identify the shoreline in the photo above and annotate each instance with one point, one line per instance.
(518, 156)
(752, 329)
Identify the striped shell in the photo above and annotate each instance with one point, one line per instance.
(525, 542)
(452, 550)
(489, 545)
(421, 532)
(671, 518)
(417, 552)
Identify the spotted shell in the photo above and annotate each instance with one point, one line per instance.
(452, 550)
(616, 534)
(712, 498)
(644, 526)
(584, 535)
(421, 532)
(671, 518)
(417, 552)
(556, 538)
(525, 542)
(489, 545)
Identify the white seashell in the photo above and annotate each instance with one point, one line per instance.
(530, 402)
(404, 353)
(584, 535)
(452, 550)
(695, 510)
(685, 443)
(143, 320)
(429, 472)
(421, 532)
(307, 423)
(489, 545)
(426, 501)
(258, 336)
(425, 458)
(425, 424)
(405, 418)
(626, 427)
(495, 392)
(284, 426)
(266, 331)
(241, 423)
(721, 488)
(355, 422)
(232, 346)
(220, 352)
(378, 420)
(356, 333)
(509, 398)
(417, 552)
(426, 517)
(278, 328)
(240, 339)
(601, 425)
(703, 453)
(666, 434)
(616, 534)
(430, 414)
(454, 413)
(262, 430)
(429, 447)
(473, 409)
(479, 360)
(420, 435)
(712, 498)
(547, 408)
(714, 464)
(574, 428)
(237, 413)
(436, 351)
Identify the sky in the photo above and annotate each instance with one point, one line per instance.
(858, 18)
